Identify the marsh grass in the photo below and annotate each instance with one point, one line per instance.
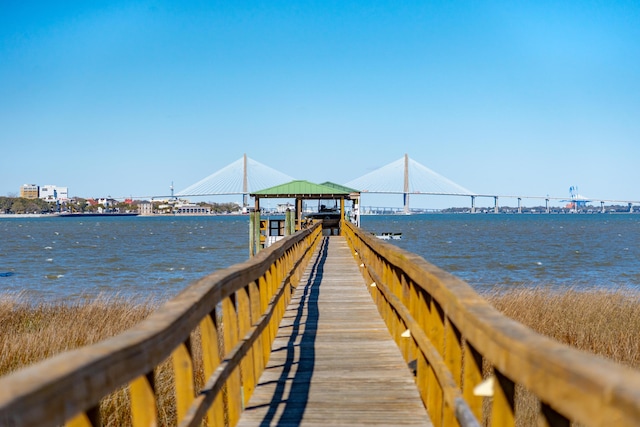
(598, 321)
(603, 322)
(33, 332)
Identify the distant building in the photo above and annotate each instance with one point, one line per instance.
(106, 202)
(284, 207)
(53, 193)
(29, 191)
(145, 208)
(191, 209)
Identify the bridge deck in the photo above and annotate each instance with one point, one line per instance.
(333, 361)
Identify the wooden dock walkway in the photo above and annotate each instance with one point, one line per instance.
(333, 361)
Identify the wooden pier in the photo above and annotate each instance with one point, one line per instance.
(324, 330)
(333, 361)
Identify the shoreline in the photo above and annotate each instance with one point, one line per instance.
(48, 215)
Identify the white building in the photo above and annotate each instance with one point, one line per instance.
(52, 193)
(105, 201)
(284, 207)
(191, 209)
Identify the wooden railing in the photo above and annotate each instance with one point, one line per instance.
(233, 314)
(469, 359)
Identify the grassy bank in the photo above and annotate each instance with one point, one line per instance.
(597, 321)
(31, 333)
(601, 322)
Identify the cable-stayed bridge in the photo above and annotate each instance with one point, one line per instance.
(404, 176)
(243, 176)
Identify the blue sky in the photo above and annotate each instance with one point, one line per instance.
(124, 97)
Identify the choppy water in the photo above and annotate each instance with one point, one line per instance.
(141, 256)
(524, 250)
(156, 257)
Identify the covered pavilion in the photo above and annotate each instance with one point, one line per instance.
(304, 190)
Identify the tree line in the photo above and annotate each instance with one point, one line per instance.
(21, 205)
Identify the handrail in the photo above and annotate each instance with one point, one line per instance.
(236, 313)
(452, 335)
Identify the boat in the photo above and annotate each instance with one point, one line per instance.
(328, 212)
(389, 236)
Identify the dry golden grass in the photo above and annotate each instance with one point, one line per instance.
(598, 321)
(603, 322)
(31, 333)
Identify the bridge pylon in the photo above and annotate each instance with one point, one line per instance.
(407, 210)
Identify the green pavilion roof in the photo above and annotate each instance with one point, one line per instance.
(303, 190)
(340, 187)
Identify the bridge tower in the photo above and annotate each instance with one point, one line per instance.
(245, 182)
(406, 185)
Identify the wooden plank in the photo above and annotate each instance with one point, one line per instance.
(333, 360)
(582, 387)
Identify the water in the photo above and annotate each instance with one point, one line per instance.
(150, 257)
(583, 251)
(156, 257)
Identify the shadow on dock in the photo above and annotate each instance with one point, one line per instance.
(289, 405)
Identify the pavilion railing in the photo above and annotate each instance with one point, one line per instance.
(468, 358)
(224, 323)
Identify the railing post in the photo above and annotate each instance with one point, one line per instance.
(252, 233)
(249, 379)
(422, 366)
(258, 347)
(234, 389)
(453, 359)
(267, 334)
(210, 361)
(183, 374)
(472, 377)
(143, 401)
(435, 333)
(503, 411)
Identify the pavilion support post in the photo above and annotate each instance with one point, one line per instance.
(289, 223)
(255, 232)
(342, 214)
(252, 233)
